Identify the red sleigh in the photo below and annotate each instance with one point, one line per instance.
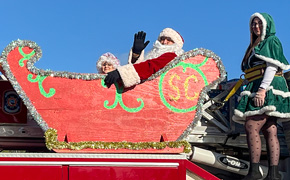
(78, 113)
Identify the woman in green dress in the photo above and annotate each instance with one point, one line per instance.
(265, 99)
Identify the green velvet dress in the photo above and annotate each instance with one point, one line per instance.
(277, 100)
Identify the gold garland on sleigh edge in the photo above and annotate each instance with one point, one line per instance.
(52, 143)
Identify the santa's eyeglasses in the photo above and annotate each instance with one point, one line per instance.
(163, 38)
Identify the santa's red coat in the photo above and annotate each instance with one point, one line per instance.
(133, 74)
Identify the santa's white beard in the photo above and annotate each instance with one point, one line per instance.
(159, 49)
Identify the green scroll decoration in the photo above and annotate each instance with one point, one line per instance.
(184, 65)
(38, 78)
(25, 56)
(52, 143)
(118, 99)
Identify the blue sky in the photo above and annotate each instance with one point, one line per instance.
(73, 34)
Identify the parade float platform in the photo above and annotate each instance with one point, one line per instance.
(79, 114)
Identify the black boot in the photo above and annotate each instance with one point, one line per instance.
(254, 172)
(273, 173)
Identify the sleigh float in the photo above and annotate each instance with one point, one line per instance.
(78, 113)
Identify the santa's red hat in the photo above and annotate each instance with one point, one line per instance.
(174, 35)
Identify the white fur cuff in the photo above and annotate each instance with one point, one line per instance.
(129, 75)
(140, 59)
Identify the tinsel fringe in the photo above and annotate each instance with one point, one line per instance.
(53, 143)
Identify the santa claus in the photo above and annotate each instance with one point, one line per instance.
(168, 45)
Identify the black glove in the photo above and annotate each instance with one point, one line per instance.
(139, 44)
(112, 77)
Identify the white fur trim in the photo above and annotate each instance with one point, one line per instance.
(240, 117)
(273, 61)
(275, 91)
(140, 59)
(129, 75)
(281, 93)
(264, 22)
(278, 114)
(260, 111)
(238, 113)
(175, 36)
(245, 93)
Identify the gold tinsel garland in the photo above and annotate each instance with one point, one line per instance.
(53, 143)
